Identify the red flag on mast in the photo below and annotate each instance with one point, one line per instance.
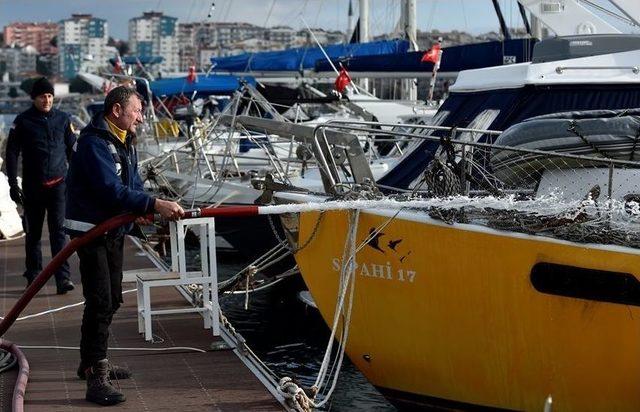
(192, 77)
(117, 67)
(343, 80)
(432, 55)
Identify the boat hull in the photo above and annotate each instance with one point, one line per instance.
(449, 312)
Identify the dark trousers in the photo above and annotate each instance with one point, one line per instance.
(101, 272)
(37, 201)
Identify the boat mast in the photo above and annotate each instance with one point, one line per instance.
(349, 22)
(409, 27)
(364, 33)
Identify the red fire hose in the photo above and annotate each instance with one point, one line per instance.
(23, 374)
(40, 280)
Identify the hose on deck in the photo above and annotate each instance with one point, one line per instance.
(23, 373)
(40, 280)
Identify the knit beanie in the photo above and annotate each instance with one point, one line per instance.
(41, 86)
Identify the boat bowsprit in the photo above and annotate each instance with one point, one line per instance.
(607, 134)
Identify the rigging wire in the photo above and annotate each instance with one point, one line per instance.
(608, 12)
(315, 22)
(464, 15)
(289, 17)
(226, 14)
(431, 16)
(266, 21)
(188, 19)
(393, 20)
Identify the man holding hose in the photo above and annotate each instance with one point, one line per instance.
(103, 182)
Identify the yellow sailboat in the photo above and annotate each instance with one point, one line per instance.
(463, 316)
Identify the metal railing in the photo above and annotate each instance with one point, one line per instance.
(480, 155)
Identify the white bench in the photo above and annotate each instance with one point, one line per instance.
(207, 278)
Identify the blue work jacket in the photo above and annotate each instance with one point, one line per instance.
(103, 179)
(45, 141)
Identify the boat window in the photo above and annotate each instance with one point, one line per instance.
(482, 121)
(436, 120)
(583, 283)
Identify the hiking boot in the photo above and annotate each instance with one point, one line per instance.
(99, 387)
(64, 287)
(115, 372)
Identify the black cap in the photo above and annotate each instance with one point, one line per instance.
(41, 86)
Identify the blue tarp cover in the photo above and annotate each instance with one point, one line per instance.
(304, 57)
(213, 84)
(454, 58)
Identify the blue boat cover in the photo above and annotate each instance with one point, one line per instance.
(205, 86)
(141, 59)
(514, 106)
(454, 58)
(304, 57)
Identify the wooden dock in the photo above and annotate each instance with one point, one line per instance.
(162, 380)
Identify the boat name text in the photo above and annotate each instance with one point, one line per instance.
(374, 270)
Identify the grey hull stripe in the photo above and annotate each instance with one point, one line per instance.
(77, 225)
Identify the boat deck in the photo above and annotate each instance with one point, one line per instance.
(162, 380)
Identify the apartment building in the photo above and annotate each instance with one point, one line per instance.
(154, 34)
(82, 44)
(37, 35)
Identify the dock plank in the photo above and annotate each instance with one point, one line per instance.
(162, 380)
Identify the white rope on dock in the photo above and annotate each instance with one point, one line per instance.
(58, 309)
(171, 348)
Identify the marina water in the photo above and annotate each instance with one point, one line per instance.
(291, 338)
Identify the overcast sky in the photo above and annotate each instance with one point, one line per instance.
(475, 16)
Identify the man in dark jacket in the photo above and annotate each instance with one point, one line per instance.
(45, 138)
(103, 182)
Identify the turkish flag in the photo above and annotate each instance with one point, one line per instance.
(432, 55)
(117, 67)
(192, 77)
(343, 80)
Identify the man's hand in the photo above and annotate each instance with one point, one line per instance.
(168, 210)
(16, 195)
